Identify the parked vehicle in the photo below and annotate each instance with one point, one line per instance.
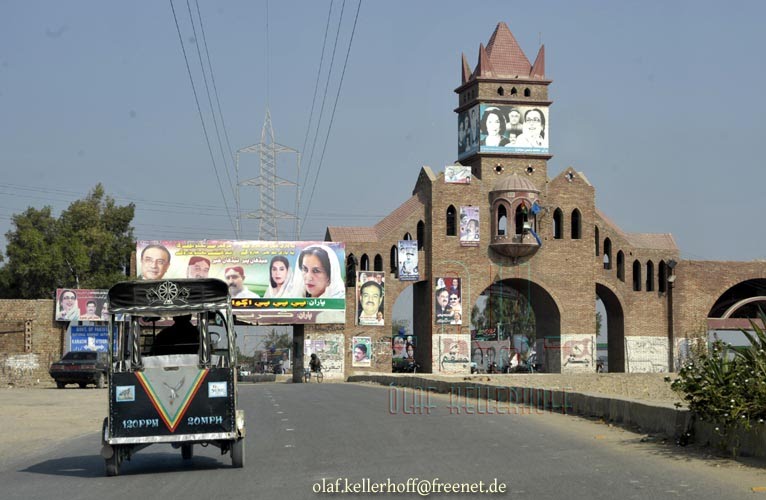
(80, 367)
(172, 384)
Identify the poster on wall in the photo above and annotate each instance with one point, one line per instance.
(469, 226)
(403, 353)
(81, 305)
(448, 308)
(468, 132)
(408, 260)
(457, 174)
(513, 129)
(270, 282)
(369, 295)
(362, 351)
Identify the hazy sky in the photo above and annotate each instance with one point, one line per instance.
(659, 103)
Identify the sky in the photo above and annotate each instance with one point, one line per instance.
(98, 92)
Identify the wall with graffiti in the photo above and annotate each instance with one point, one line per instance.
(646, 354)
(451, 353)
(486, 352)
(578, 353)
(329, 349)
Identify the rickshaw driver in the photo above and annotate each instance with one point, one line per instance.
(179, 338)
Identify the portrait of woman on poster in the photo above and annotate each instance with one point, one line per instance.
(280, 278)
(67, 309)
(470, 231)
(515, 127)
(493, 128)
(321, 273)
(534, 130)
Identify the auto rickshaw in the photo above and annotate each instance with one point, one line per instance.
(165, 387)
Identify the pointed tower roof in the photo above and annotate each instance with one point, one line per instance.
(466, 70)
(538, 69)
(484, 68)
(503, 58)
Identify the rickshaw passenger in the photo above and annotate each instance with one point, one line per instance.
(179, 338)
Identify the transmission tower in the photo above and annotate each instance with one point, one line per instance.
(267, 182)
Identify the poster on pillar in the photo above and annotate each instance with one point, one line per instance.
(468, 132)
(408, 260)
(514, 129)
(362, 351)
(448, 308)
(369, 294)
(469, 226)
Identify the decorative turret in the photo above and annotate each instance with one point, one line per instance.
(513, 205)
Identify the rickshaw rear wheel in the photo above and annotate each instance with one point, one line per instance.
(238, 453)
(60, 385)
(187, 451)
(82, 385)
(113, 463)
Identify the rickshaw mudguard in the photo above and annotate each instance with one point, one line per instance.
(172, 404)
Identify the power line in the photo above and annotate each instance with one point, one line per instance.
(319, 72)
(212, 78)
(324, 96)
(332, 117)
(202, 120)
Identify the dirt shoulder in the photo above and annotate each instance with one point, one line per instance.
(34, 419)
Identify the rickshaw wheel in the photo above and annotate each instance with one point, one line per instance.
(187, 451)
(113, 463)
(238, 453)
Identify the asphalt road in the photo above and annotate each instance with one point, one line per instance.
(307, 437)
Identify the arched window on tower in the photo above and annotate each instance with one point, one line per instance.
(636, 276)
(595, 231)
(649, 276)
(520, 217)
(527, 92)
(421, 234)
(350, 270)
(558, 224)
(394, 259)
(500, 91)
(514, 91)
(607, 253)
(502, 221)
(621, 266)
(662, 277)
(378, 263)
(576, 224)
(407, 236)
(365, 263)
(451, 226)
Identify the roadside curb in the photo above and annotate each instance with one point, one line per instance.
(654, 418)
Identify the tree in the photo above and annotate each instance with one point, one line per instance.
(88, 246)
(277, 340)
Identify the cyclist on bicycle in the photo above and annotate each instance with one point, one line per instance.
(315, 365)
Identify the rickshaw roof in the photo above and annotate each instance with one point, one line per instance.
(168, 295)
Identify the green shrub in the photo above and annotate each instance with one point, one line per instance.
(727, 387)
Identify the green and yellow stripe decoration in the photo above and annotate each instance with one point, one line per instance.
(171, 402)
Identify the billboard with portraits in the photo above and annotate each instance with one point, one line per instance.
(513, 129)
(270, 282)
(448, 308)
(369, 298)
(81, 305)
(408, 260)
(469, 226)
(468, 132)
(457, 174)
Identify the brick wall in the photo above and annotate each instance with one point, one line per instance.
(30, 340)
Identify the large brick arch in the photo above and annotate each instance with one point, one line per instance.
(545, 307)
(615, 318)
